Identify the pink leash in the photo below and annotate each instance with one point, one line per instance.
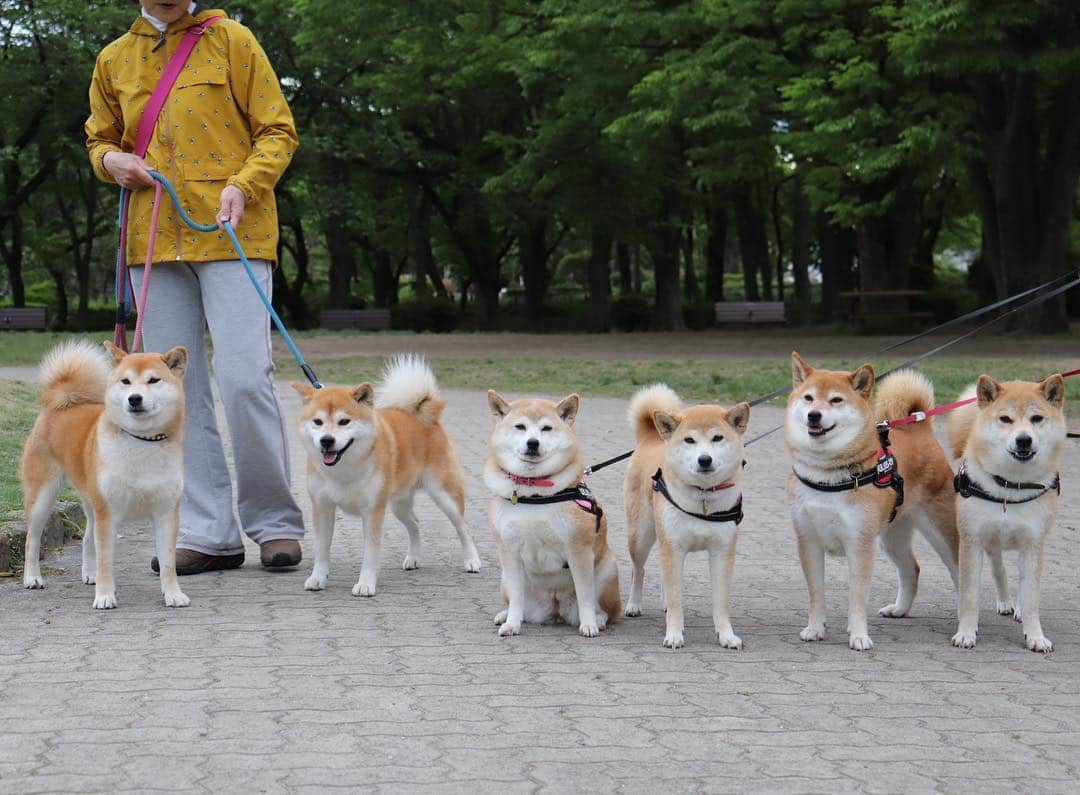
(143, 134)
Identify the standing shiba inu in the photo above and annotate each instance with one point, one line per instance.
(366, 453)
(1010, 443)
(844, 492)
(682, 486)
(115, 431)
(550, 531)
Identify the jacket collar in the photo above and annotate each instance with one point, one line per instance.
(140, 27)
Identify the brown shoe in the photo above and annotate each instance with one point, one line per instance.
(188, 561)
(281, 553)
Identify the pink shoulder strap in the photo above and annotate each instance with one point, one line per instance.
(150, 113)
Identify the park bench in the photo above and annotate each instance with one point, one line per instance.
(32, 318)
(362, 319)
(750, 312)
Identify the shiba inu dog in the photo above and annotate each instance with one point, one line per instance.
(682, 487)
(1009, 444)
(371, 449)
(844, 492)
(114, 430)
(550, 531)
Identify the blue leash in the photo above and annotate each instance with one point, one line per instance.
(304, 366)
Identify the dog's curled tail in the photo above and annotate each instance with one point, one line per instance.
(903, 393)
(960, 422)
(408, 383)
(74, 373)
(647, 400)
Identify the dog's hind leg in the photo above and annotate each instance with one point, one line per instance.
(641, 534)
(167, 527)
(89, 556)
(896, 541)
(402, 508)
(39, 497)
(448, 492)
(941, 531)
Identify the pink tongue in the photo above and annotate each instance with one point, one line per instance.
(329, 458)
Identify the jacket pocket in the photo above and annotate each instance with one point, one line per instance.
(201, 80)
(211, 170)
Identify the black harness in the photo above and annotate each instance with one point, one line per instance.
(966, 487)
(733, 514)
(883, 476)
(580, 494)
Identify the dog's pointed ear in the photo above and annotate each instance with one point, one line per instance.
(800, 370)
(176, 359)
(305, 390)
(1053, 389)
(498, 404)
(665, 423)
(114, 353)
(364, 394)
(862, 380)
(738, 417)
(568, 408)
(987, 390)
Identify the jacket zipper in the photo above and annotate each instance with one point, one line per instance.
(160, 42)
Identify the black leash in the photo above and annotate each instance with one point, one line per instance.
(966, 487)
(733, 514)
(609, 462)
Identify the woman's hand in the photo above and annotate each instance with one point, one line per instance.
(130, 171)
(232, 206)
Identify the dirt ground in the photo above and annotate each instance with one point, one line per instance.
(703, 345)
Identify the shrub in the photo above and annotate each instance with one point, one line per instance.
(631, 312)
(425, 314)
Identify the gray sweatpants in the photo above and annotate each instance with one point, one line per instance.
(184, 300)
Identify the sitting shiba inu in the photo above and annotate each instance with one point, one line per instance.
(1009, 444)
(845, 491)
(368, 452)
(114, 430)
(549, 529)
(682, 486)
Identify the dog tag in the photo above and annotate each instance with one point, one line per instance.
(514, 497)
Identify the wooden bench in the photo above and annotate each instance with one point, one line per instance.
(362, 319)
(32, 318)
(750, 312)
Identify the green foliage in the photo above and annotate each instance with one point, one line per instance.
(631, 312)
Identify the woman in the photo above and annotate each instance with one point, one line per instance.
(223, 139)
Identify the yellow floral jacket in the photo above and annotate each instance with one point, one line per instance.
(225, 122)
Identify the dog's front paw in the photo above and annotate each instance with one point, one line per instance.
(316, 582)
(893, 611)
(1005, 608)
(500, 617)
(632, 610)
(860, 642)
(673, 640)
(411, 562)
(1041, 643)
(364, 587)
(105, 601)
(588, 630)
(176, 599)
(472, 563)
(1018, 617)
(508, 629)
(812, 633)
(601, 620)
(729, 640)
(33, 581)
(89, 578)
(965, 638)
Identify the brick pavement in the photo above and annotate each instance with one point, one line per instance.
(261, 686)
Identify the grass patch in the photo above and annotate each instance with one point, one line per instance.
(694, 380)
(20, 348)
(20, 408)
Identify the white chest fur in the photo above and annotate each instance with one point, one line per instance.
(353, 489)
(836, 518)
(539, 535)
(139, 479)
(1015, 527)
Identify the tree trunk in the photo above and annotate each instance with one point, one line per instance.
(778, 231)
(800, 250)
(691, 285)
(600, 282)
(13, 258)
(837, 254)
(339, 243)
(716, 248)
(532, 246)
(626, 278)
(664, 249)
(420, 243)
(886, 245)
(384, 279)
(635, 259)
(753, 245)
(59, 323)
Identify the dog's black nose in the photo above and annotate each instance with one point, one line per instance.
(533, 444)
(136, 400)
(1023, 442)
(704, 461)
(813, 417)
(327, 442)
